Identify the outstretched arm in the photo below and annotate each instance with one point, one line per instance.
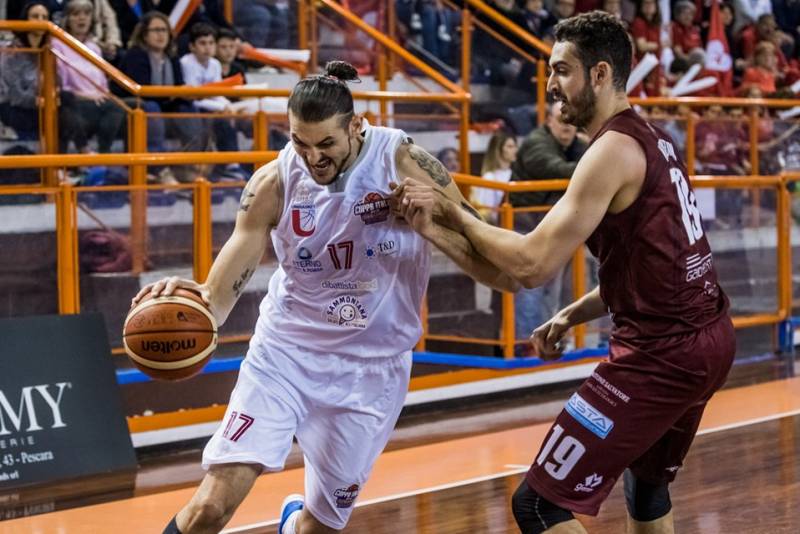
(429, 178)
(608, 178)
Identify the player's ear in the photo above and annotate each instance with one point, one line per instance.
(355, 125)
(601, 73)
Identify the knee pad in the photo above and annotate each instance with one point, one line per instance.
(646, 501)
(535, 514)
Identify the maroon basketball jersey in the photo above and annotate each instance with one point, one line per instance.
(657, 274)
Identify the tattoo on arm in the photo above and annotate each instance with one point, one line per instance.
(246, 200)
(238, 285)
(469, 209)
(430, 165)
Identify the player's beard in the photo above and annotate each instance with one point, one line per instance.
(337, 167)
(580, 109)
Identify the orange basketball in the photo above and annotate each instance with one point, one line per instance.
(170, 338)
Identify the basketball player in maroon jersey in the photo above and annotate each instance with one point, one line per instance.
(672, 342)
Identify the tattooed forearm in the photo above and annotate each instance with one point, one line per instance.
(238, 285)
(472, 211)
(430, 165)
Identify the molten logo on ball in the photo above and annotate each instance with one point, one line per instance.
(166, 347)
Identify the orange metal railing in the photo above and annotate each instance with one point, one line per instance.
(67, 252)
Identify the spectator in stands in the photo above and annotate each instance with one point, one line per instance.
(687, 44)
(760, 79)
(722, 149)
(646, 32)
(787, 14)
(86, 109)
(228, 44)
(500, 154)
(106, 29)
(263, 23)
(449, 158)
(151, 60)
(551, 151)
(129, 12)
(537, 18)
(614, 7)
(562, 9)
(200, 67)
(748, 11)
(434, 23)
(19, 77)
(766, 30)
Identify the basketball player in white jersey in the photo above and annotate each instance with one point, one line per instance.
(330, 358)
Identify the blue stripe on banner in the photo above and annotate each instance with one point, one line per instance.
(221, 365)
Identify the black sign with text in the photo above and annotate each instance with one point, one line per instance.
(60, 410)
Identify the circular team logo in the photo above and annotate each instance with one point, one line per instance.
(346, 310)
(372, 209)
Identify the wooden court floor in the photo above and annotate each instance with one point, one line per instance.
(742, 476)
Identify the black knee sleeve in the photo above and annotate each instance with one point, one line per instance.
(646, 501)
(172, 528)
(535, 514)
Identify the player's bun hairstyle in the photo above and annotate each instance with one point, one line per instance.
(597, 37)
(320, 97)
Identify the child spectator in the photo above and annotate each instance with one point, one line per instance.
(86, 109)
(759, 80)
(227, 49)
(201, 67)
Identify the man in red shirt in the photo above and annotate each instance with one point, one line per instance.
(672, 342)
(686, 41)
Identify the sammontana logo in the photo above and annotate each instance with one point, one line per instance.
(372, 209)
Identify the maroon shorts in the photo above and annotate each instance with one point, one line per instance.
(641, 409)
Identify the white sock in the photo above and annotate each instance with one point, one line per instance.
(288, 527)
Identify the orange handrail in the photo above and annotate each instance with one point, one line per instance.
(501, 19)
(393, 46)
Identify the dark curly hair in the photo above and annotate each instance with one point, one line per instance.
(597, 37)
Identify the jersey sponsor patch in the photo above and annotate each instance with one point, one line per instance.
(304, 213)
(589, 416)
(346, 310)
(305, 261)
(345, 497)
(372, 209)
(384, 248)
(351, 285)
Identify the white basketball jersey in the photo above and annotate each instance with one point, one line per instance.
(351, 276)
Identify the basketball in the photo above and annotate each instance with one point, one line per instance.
(170, 338)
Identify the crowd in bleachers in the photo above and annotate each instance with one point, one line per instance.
(762, 37)
(136, 37)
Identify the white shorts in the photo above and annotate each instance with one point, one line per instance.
(341, 408)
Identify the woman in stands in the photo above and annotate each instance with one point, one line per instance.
(500, 154)
(86, 109)
(151, 60)
(19, 77)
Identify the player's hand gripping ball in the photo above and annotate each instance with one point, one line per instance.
(170, 338)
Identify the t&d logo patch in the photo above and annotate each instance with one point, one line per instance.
(345, 497)
(346, 310)
(373, 209)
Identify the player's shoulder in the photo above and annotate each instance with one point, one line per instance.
(262, 198)
(618, 146)
(267, 179)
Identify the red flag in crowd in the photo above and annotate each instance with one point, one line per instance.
(718, 53)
